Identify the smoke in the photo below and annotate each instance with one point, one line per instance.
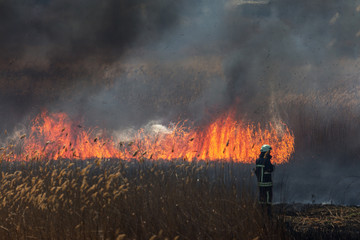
(50, 49)
(316, 180)
(292, 47)
(40, 34)
(121, 64)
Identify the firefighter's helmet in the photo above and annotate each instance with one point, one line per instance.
(265, 148)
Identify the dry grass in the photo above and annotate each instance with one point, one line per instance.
(324, 222)
(326, 216)
(130, 200)
(319, 120)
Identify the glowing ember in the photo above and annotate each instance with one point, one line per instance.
(55, 136)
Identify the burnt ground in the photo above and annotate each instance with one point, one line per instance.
(313, 221)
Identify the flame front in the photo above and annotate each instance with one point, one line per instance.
(55, 136)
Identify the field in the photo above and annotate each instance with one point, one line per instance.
(113, 199)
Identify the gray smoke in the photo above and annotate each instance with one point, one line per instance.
(288, 47)
(143, 60)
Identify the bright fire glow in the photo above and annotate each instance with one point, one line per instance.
(56, 136)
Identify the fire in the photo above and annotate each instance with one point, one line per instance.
(224, 139)
(56, 136)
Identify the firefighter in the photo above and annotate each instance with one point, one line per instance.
(263, 171)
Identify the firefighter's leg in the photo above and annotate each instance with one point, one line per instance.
(262, 199)
(270, 194)
(262, 195)
(269, 200)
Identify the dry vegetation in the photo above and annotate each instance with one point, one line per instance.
(319, 120)
(323, 221)
(113, 199)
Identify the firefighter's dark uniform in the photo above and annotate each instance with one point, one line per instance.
(263, 171)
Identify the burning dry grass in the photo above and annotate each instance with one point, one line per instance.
(57, 136)
(125, 200)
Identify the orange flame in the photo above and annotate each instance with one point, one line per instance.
(55, 136)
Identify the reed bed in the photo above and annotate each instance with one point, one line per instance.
(324, 124)
(115, 199)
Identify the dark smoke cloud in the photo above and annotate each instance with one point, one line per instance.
(73, 31)
(130, 59)
(48, 47)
